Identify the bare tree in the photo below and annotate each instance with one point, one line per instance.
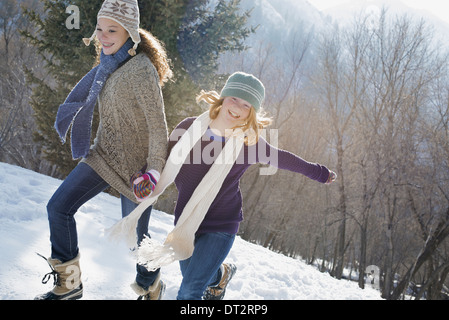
(16, 116)
(338, 85)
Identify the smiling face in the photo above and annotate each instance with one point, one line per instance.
(111, 35)
(234, 111)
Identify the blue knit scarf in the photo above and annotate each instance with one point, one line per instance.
(78, 108)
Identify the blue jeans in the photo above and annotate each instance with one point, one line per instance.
(81, 185)
(202, 269)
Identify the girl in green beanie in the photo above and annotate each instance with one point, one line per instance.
(208, 156)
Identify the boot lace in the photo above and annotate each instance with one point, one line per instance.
(54, 273)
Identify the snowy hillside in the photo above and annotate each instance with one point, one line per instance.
(283, 22)
(108, 268)
(279, 23)
(344, 13)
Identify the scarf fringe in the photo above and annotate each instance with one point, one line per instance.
(125, 229)
(154, 255)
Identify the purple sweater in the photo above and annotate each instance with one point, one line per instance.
(225, 212)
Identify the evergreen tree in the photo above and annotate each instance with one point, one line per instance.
(66, 60)
(195, 33)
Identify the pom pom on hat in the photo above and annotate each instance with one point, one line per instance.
(124, 12)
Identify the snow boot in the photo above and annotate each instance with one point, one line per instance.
(66, 280)
(154, 292)
(217, 292)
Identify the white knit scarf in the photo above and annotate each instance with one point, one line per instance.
(180, 241)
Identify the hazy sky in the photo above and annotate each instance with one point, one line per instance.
(440, 8)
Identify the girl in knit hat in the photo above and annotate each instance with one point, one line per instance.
(209, 155)
(132, 67)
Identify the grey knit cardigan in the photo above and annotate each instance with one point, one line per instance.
(132, 131)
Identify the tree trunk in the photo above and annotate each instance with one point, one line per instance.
(432, 243)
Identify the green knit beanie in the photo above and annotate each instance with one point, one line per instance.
(245, 86)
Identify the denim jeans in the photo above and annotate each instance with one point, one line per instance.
(81, 185)
(202, 269)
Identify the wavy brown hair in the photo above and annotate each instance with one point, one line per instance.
(255, 122)
(154, 49)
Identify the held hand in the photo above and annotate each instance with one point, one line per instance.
(143, 184)
(332, 177)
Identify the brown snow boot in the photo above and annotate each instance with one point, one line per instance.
(66, 280)
(217, 292)
(154, 292)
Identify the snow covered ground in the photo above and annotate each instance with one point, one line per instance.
(108, 268)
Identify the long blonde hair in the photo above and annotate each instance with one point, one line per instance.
(255, 122)
(154, 49)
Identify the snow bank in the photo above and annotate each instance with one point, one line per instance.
(108, 268)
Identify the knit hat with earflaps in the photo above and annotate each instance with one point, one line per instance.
(245, 86)
(124, 12)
